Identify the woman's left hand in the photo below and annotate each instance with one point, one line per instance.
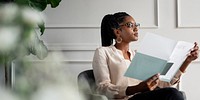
(193, 54)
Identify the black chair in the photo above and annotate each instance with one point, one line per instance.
(86, 84)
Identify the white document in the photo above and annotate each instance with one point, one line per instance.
(158, 54)
(179, 54)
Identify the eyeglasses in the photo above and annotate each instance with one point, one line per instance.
(131, 25)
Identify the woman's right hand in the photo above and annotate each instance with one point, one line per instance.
(150, 84)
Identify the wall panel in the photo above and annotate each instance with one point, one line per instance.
(89, 13)
(187, 13)
(73, 29)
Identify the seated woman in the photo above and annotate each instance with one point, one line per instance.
(111, 61)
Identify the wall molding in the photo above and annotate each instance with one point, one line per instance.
(72, 47)
(178, 17)
(156, 17)
(73, 26)
(97, 26)
(157, 13)
(62, 61)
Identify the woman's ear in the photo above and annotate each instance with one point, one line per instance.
(117, 32)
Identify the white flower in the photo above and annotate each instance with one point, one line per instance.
(8, 13)
(35, 45)
(32, 17)
(9, 37)
(18, 23)
(7, 95)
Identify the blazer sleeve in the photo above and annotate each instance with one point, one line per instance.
(102, 76)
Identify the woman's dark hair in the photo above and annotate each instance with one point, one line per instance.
(110, 22)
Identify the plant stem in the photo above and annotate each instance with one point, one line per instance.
(7, 67)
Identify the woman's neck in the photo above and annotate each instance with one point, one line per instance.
(123, 47)
(125, 50)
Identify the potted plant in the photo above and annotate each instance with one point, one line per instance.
(18, 35)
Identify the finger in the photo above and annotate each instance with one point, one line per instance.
(196, 45)
(154, 77)
(152, 88)
(196, 48)
(189, 54)
(154, 84)
(194, 53)
(154, 80)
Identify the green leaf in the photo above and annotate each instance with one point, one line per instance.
(38, 4)
(41, 50)
(54, 3)
(1, 59)
(22, 2)
(42, 28)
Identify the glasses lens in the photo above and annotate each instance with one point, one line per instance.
(137, 24)
(129, 25)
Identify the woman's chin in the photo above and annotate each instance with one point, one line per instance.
(135, 39)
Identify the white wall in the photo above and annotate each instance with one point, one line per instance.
(74, 28)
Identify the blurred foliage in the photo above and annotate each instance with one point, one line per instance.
(19, 20)
(18, 35)
(40, 5)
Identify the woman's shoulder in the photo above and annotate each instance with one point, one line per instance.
(105, 48)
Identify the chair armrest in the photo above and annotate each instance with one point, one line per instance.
(184, 95)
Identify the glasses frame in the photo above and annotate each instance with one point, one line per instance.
(131, 25)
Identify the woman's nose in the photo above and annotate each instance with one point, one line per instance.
(136, 29)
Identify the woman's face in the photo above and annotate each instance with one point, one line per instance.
(129, 30)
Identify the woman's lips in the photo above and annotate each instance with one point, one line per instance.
(136, 34)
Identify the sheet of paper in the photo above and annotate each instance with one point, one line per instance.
(178, 56)
(180, 51)
(158, 54)
(157, 46)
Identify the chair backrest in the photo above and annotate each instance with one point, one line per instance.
(86, 81)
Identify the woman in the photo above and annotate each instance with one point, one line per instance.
(110, 62)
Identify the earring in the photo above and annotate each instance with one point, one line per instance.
(118, 40)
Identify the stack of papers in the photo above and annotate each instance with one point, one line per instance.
(158, 54)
